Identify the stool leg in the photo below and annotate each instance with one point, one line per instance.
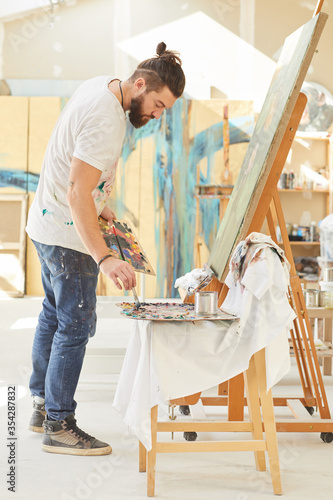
(142, 458)
(253, 403)
(152, 454)
(236, 398)
(223, 389)
(269, 421)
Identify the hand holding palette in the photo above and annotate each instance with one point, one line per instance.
(168, 311)
(132, 250)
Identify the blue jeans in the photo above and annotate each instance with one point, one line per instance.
(67, 321)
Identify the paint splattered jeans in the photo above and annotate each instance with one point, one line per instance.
(67, 321)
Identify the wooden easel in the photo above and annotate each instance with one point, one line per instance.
(269, 207)
(231, 393)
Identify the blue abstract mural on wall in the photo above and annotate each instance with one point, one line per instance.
(174, 165)
(175, 159)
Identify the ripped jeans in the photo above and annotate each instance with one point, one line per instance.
(67, 321)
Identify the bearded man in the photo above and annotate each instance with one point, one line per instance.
(76, 180)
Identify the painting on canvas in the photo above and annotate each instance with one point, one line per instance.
(291, 69)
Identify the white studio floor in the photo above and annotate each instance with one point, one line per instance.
(306, 462)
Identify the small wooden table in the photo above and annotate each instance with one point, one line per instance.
(326, 315)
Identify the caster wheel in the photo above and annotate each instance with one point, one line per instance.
(310, 409)
(184, 410)
(327, 437)
(190, 436)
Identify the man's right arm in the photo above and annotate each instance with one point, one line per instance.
(83, 179)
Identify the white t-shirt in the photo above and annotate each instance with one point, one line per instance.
(91, 127)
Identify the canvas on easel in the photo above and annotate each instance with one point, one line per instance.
(292, 66)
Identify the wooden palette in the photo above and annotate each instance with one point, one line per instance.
(131, 247)
(168, 311)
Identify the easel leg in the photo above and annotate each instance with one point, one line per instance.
(152, 454)
(251, 386)
(310, 349)
(197, 257)
(142, 458)
(301, 360)
(314, 390)
(269, 421)
(327, 362)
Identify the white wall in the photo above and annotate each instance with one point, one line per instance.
(83, 41)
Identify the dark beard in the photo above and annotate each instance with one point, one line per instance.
(135, 115)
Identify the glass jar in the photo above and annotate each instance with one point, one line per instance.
(328, 301)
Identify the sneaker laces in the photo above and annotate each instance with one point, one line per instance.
(78, 432)
(38, 406)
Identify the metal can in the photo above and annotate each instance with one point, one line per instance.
(283, 180)
(205, 303)
(328, 274)
(291, 179)
(313, 231)
(311, 298)
(322, 298)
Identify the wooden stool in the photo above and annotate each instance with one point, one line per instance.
(255, 384)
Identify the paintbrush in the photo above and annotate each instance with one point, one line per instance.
(136, 299)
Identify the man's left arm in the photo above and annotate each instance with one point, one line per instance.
(108, 214)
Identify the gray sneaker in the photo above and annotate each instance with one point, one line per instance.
(64, 436)
(38, 416)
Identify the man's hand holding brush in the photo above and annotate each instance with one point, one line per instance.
(113, 268)
(116, 270)
(137, 302)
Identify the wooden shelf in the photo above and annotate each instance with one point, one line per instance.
(298, 243)
(320, 312)
(325, 191)
(319, 136)
(321, 353)
(213, 196)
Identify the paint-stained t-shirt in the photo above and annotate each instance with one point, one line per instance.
(91, 127)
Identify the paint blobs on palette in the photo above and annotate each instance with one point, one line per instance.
(167, 311)
(132, 250)
(160, 311)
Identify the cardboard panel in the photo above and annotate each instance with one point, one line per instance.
(13, 207)
(13, 144)
(43, 114)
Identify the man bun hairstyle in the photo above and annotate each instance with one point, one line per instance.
(164, 69)
(171, 56)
